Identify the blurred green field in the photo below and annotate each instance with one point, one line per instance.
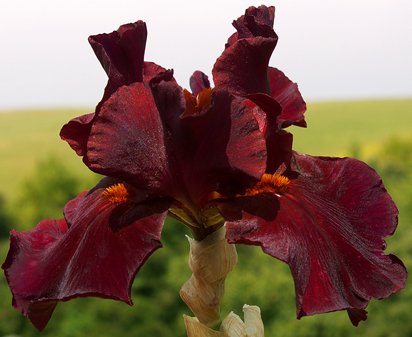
(29, 136)
(364, 129)
(334, 128)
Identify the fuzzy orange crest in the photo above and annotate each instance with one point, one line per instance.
(117, 193)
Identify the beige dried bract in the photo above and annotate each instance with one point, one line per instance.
(210, 261)
(232, 325)
(253, 321)
(196, 329)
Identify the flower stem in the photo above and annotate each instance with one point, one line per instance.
(210, 260)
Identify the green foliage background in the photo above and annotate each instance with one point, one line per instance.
(39, 174)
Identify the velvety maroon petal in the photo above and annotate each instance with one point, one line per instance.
(140, 204)
(330, 228)
(127, 139)
(278, 141)
(246, 147)
(170, 102)
(257, 21)
(242, 68)
(279, 146)
(150, 70)
(21, 263)
(198, 82)
(269, 105)
(121, 54)
(357, 315)
(76, 133)
(59, 260)
(286, 92)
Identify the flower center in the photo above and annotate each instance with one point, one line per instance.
(117, 193)
(195, 105)
(204, 217)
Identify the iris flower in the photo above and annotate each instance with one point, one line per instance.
(208, 157)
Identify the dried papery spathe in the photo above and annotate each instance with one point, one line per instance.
(210, 260)
(196, 329)
(232, 325)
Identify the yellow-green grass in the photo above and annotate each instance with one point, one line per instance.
(29, 136)
(333, 128)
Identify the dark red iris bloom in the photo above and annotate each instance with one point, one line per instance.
(207, 157)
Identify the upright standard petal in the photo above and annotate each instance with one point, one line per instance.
(257, 21)
(121, 54)
(242, 67)
(329, 226)
(287, 94)
(278, 141)
(80, 256)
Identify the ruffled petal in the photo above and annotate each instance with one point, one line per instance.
(257, 21)
(76, 133)
(127, 139)
(121, 55)
(279, 146)
(329, 227)
(357, 315)
(150, 70)
(287, 94)
(246, 149)
(170, 102)
(242, 67)
(59, 260)
(278, 141)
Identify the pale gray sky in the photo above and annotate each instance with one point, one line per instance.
(331, 48)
